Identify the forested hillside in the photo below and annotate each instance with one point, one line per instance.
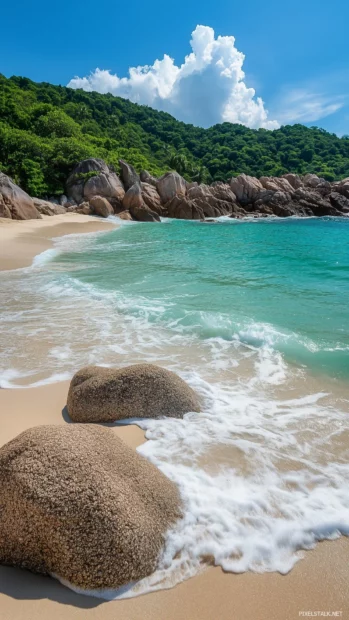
(45, 130)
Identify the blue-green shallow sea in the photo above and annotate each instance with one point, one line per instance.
(277, 283)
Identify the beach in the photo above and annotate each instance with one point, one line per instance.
(317, 583)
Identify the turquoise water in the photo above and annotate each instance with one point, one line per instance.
(277, 283)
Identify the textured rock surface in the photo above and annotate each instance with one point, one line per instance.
(170, 185)
(101, 206)
(128, 174)
(98, 394)
(81, 186)
(133, 197)
(79, 503)
(48, 208)
(151, 198)
(246, 188)
(125, 215)
(183, 208)
(143, 214)
(14, 202)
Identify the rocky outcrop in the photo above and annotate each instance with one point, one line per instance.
(48, 208)
(170, 185)
(14, 202)
(83, 185)
(151, 198)
(78, 503)
(183, 208)
(125, 215)
(99, 394)
(101, 206)
(246, 189)
(128, 175)
(146, 177)
(143, 214)
(133, 197)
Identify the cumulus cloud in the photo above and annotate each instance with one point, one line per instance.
(207, 88)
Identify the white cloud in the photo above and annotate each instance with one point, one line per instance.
(301, 105)
(207, 88)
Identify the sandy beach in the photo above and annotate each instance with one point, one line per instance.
(318, 583)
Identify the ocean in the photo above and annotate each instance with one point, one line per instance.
(255, 316)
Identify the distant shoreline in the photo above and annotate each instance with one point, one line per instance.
(21, 241)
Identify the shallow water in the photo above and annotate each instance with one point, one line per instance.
(255, 316)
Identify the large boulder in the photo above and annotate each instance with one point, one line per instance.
(143, 214)
(151, 198)
(182, 208)
(99, 394)
(294, 180)
(170, 185)
(125, 215)
(246, 189)
(14, 202)
(343, 187)
(146, 177)
(79, 504)
(101, 206)
(276, 184)
(133, 197)
(339, 201)
(48, 208)
(83, 185)
(128, 174)
(312, 180)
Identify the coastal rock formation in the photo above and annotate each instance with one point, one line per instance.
(99, 394)
(170, 185)
(78, 503)
(14, 202)
(143, 214)
(246, 189)
(146, 177)
(151, 198)
(82, 184)
(183, 208)
(101, 206)
(125, 215)
(48, 208)
(133, 202)
(128, 174)
(133, 197)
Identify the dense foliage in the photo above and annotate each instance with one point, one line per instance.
(45, 130)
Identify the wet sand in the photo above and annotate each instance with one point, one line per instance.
(318, 583)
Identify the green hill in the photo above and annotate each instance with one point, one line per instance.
(45, 130)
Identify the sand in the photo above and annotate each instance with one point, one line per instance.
(318, 583)
(20, 241)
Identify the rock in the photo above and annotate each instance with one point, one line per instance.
(143, 214)
(106, 185)
(128, 174)
(151, 198)
(343, 187)
(84, 208)
(246, 189)
(146, 177)
(125, 215)
(16, 202)
(81, 185)
(170, 185)
(63, 201)
(78, 503)
(48, 208)
(183, 208)
(133, 197)
(294, 180)
(276, 184)
(339, 201)
(222, 191)
(214, 200)
(99, 394)
(101, 206)
(312, 180)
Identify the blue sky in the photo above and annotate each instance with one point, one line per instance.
(296, 56)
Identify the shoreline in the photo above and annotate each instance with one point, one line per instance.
(317, 582)
(22, 240)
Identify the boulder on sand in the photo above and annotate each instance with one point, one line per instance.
(99, 394)
(170, 185)
(14, 202)
(78, 503)
(101, 206)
